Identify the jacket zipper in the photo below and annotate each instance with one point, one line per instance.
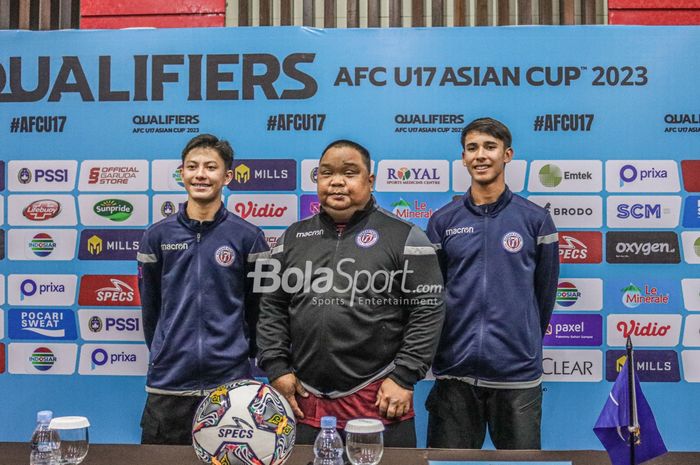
(483, 291)
(199, 311)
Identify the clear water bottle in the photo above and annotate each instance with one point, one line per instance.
(45, 441)
(328, 447)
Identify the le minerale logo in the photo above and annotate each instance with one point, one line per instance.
(114, 209)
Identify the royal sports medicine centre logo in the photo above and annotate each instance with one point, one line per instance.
(264, 175)
(109, 244)
(413, 175)
(41, 324)
(650, 365)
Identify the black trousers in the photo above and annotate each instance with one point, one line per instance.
(458, 414)
(399, 434)
(168, 419)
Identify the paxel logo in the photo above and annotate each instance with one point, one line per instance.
(110, 325)
(585, 365)
(109, 244)
(113, 359)
(580, 247)
(109, 290)
(46, 358)
(265, 209)
(574, 330)
(573, 211)
(642, 176)
(565, 176)
(645, 330)
(42, 175)
(29, 323)
(643, 211)
(264, 175)
(642, 247)
(310, 206)
(50, 290)
(650, 365)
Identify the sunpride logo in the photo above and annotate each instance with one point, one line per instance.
(114, 209)
(267, 277)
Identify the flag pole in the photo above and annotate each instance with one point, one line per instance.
(633, 427)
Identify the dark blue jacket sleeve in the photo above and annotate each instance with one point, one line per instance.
(150, 269)
(547, 270)
(258, 251)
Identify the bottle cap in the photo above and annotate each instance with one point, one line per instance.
(328, 422)
(364, 425)
(44, 416)
(69, 423)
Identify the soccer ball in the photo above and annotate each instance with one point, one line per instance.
(244, 422)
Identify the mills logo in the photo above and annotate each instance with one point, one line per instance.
(42, 358)
(109, 244)
(94, 245)
(42, 210)
(114, 209)
(242, 173)
(42, 245)
(650, 365)
(109, 290)
(567, 294)
(580, 247)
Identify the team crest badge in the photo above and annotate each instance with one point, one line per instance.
(512, 242)
(224, 255)
(367, 238)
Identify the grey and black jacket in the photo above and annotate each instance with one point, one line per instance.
(347, 309)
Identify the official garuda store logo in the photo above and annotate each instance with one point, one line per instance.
(550, 175)
(242, 174)
(114, 209)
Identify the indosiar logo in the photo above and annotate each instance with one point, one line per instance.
(567, 294)
(114, 209)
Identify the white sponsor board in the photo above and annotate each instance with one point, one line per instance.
(413, 176)
(165, 176)
(641, 176)
(646, 330)
(165, 205)
(691, 331)
(41, 244)
(41, 210)
(265, 209)
(272, 236)
(515, 176)
(691, 246)
(572, 211)
(113, 359)
(110, 325)
(691, 365)
(41, 358)
(640, 211)
(2, 289)
(113, 175)
(309, 174)
(113, 210)
(48, 290)
(572, 365)
(2, 324)
(41, 175)
(585, 295)
(565, 176)
(691, 294)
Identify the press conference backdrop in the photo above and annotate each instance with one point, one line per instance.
(606, 125)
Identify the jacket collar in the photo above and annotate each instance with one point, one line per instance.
(200, 226)
(491, 209)
(354, 219)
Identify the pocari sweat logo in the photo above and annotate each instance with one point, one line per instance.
(30, 323)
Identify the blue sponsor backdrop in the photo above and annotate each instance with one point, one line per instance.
(284, 93)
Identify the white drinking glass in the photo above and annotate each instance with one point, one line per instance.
(364, 441)
(73, 432)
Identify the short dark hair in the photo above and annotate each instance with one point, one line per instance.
(340, 143)
(208, 141)
(490, 126)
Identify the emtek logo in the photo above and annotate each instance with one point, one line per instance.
(551, 175)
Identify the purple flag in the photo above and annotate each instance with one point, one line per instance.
(611, 427)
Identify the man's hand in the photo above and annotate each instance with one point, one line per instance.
(393, 400)
(288, 385)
